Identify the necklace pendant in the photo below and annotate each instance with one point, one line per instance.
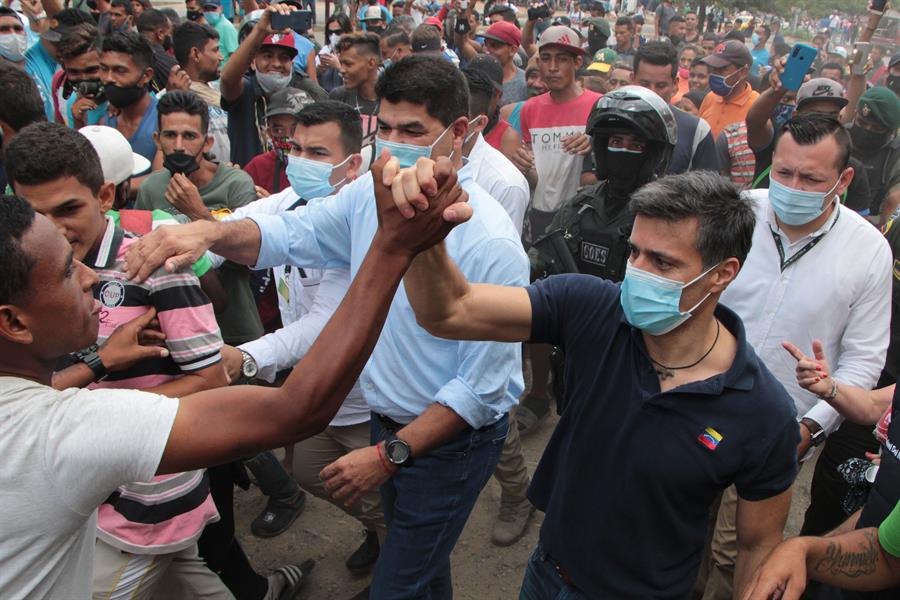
(665, 373)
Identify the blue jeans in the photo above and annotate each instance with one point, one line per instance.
(542, 582)
(426, 505)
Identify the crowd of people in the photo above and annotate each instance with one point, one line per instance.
(233, 230)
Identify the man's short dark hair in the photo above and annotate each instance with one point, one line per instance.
(183, 101)
(657, 53)
(332, 111)
(20, 102)
(191, 35)
(626, 21)
(430, 81)
(16, 218)
(734, 34)
(811, 128)
(506, 13)
(70, 17)
(400, 38)
(831, 66)
(676, 19)
(726, 218)
(131, 43)
(126, 4)
(364, 42)
(174, 19)
(401, 23)
(151, 20)
(698, 62)
(45, 152)
(8, 12)
(77, 41)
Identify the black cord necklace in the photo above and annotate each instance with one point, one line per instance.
(665, 372)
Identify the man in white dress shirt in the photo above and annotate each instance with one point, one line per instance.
(816, 269)
(325, 155)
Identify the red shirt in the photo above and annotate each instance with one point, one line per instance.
(262, 170)
(495, 137)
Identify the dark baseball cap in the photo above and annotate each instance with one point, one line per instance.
(731, 52)
(66, 19)
(288, 101)
(484, 70)
(881, 104)
(895, 58)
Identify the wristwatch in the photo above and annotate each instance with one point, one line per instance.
(90, 357)
(249, 368)
(816, 433)
(398, 452)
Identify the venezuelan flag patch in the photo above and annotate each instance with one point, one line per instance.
(710, 438)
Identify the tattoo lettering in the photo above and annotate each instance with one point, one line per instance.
(850, 564)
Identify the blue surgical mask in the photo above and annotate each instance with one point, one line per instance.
(407, 154)
(311, 178)
(796, 207)
(754, 39)
(719, 87)
(652, 303)
(212, 17)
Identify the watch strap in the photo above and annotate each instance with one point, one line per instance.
(90, 357)
(817, 434)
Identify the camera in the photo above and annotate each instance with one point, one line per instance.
(541, 11)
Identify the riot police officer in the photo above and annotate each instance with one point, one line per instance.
(633, 134)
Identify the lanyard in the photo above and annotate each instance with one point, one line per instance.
(809, 245)
(287, 268)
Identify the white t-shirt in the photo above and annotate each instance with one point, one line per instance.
(63, 454)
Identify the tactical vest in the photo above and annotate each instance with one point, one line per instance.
(585, 237)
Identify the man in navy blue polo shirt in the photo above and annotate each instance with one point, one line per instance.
(666, 402)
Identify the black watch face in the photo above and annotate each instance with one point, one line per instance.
(398, 452)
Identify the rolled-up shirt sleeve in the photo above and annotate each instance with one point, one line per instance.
(315, 236)
(489, 377)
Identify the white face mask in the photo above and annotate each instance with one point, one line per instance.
(13, 46)
(272, 82)
(333, 40)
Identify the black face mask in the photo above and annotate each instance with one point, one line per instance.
(375, 30)
(120, 97)
(624, 170)
(180, 162)
(893, 82)
(867, 142)
(194, 15)
(167, 43)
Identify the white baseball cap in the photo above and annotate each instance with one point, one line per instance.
(117, 159)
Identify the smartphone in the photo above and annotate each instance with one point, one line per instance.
(878, 5)
(299, 20)
(859, 57)
(798, 64)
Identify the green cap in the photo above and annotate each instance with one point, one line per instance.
(605, 55)
(600, 24)
(881, 104)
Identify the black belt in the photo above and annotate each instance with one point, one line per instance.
(390, 424)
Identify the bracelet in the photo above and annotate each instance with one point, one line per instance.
(833, 393)
(384, 463)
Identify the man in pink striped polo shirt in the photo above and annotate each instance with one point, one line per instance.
(146, 531)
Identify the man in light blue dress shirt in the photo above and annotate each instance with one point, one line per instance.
(439, 407)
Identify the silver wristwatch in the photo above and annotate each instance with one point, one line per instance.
(249, 368)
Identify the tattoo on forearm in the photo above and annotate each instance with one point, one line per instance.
(850, 564)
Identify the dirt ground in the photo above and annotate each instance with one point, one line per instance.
(481, 571)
